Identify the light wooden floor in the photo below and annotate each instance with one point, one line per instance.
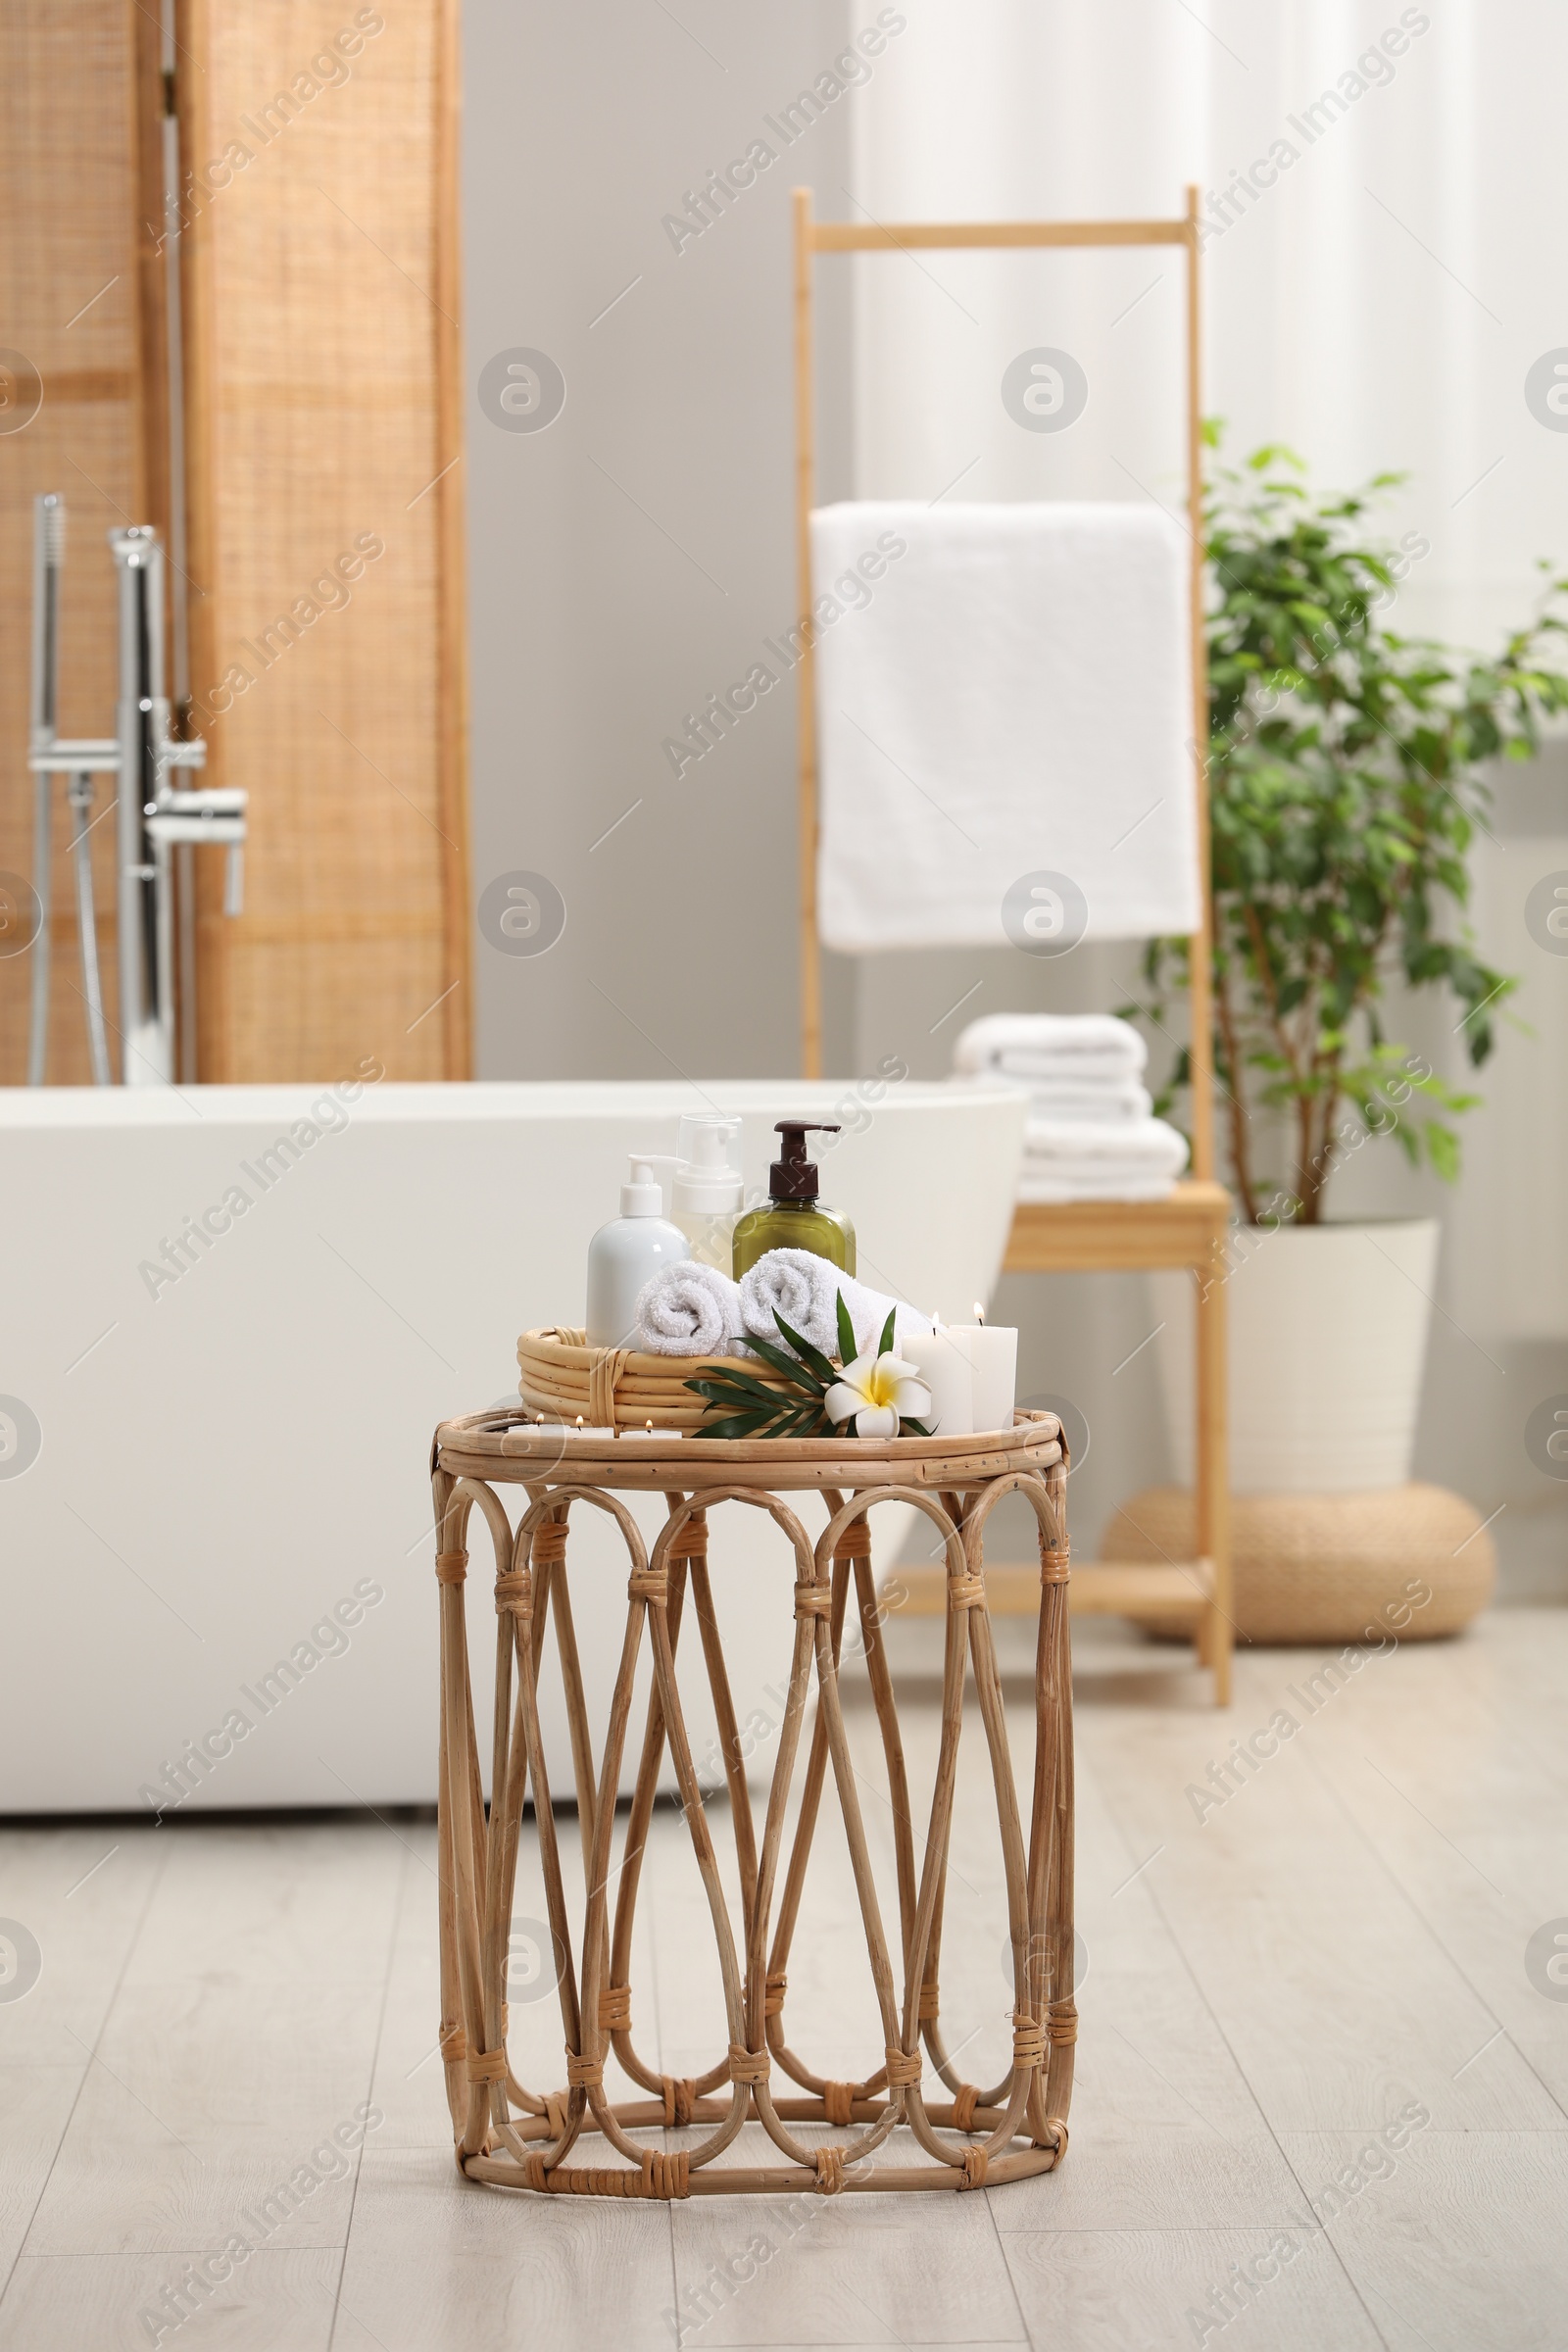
(1342, 1939)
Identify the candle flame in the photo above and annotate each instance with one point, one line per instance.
(979, 1313)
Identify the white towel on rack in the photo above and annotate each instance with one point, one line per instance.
(1127, 1184)
(1069, 1100)
(1106, 1160)
(1148, 1146)
(1052, 1046)
(1012, 695)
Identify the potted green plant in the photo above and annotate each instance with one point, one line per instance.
(1347, 778)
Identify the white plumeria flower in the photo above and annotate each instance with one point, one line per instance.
(876, 1393)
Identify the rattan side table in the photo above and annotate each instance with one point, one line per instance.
(511, 2137)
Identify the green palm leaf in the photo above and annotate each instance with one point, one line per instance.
(739, 1426)
(745, 1407)
(848, 1350)
(822, 1365)
(732, 1384)
(796, 1373)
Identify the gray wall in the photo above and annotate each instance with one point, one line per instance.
(627, 560)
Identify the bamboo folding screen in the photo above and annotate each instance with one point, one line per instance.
(327, 656)
(71, 420)
(322, 480)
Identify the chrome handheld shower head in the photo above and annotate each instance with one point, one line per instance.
(51, 509)
(48, 556)
(48, 561)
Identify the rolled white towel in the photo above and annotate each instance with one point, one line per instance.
(690, 1309)
(1052, 1046)
(804, 1289)
(868, 1312)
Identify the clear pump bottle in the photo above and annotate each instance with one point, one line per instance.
(707, 1194)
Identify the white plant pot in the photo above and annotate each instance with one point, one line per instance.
(1327, 1331)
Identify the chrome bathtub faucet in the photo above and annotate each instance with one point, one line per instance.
(157, 817)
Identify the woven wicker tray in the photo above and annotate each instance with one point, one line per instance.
(617, 1388)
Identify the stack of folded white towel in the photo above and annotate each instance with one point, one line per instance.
(1091, 1133)
(692, 1309)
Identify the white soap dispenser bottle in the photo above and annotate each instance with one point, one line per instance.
(708, 1193)
(626, 1253)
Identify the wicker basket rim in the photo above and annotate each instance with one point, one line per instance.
(547, 1347)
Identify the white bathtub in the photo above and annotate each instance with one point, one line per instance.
(231, 1461)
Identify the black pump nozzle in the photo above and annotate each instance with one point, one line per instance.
(795, 1177)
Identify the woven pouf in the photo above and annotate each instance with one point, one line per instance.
(1328, 1567)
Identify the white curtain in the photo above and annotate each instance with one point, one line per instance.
(1377, 306)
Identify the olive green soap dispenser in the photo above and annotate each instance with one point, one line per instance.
(794, 1217)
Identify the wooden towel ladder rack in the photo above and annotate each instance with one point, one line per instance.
(1187, 1229)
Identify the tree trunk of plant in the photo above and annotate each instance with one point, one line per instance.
(1316, 1170)
(1241, 1145)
